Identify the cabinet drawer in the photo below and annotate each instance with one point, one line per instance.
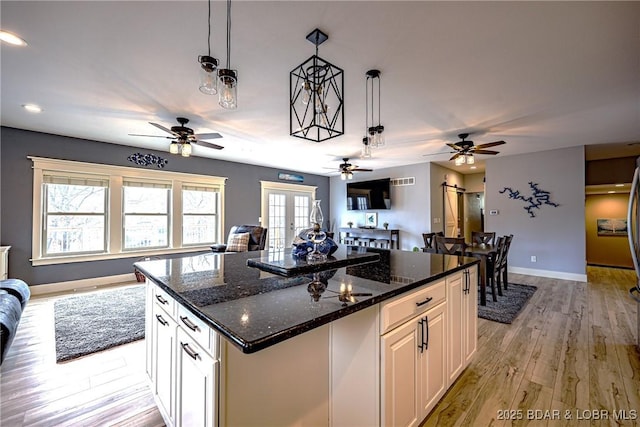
(396, 311)
(162, 299)
(198, 330)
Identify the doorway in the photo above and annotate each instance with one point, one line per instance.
(285, 211)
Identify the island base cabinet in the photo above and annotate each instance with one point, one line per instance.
(414, 368)
(163, 384)
(196, 379)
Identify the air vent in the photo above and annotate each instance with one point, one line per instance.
(399, 182)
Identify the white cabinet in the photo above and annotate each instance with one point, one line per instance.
(414, 363)
(463, 319)
(164, 338)
(196, 382)
(182, 363)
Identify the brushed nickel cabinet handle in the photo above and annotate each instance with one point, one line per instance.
(161, 320)
(185, 346)
(162, 300)
(189, 323)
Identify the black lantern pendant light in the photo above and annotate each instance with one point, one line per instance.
(316, 90)
(208, 66)
(228, 78)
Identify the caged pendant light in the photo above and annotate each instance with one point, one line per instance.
(228, 78)
(316, 89)
(208, 66)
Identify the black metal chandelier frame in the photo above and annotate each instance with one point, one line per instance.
(321, 117)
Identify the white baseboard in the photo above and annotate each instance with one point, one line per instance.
(83, 284)
(549, 273)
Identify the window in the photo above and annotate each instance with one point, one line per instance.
(146, 214)
(86, 211)
(199, 215)
(75, 215)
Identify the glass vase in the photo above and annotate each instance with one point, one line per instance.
(316, 236)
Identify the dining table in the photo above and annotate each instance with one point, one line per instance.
(485, 252)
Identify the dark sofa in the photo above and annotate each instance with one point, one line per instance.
(14, 294)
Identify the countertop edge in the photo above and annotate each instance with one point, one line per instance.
(254, 346)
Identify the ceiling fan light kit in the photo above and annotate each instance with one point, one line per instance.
(316, 89)
(347, 169)
(182, 137)
(464, 150)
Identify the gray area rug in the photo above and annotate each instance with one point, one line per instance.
(508, 306)
(97, 321)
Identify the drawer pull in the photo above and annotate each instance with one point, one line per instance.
(421, 339)
(162, 300)
(426, 324)
(161, 320)
(426, 301)
(189, 323)
(189, 351)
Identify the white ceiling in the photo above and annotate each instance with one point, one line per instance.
(539, 75)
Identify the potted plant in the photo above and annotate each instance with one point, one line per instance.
(385, 225)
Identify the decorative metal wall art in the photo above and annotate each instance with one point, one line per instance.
(538, 198)
(147, 160)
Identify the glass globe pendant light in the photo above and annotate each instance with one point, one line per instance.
(228, 78)
(208, 66)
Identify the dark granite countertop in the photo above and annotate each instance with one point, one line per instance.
(255, 309)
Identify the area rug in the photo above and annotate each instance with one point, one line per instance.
(509, 305)
(97, 321)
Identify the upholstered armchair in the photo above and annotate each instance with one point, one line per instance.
(243, 238)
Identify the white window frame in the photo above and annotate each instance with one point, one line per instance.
(117, 174)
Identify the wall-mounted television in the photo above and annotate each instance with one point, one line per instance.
(369, 195)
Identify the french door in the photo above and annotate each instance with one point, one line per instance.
(285, 211)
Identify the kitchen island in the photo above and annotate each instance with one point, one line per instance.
(371, 343)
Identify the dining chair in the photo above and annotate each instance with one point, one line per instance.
(493, 268)
(483, 237)
(429, 241)
(503, 280)
(450, 245)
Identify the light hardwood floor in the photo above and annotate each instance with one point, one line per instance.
(571, 349)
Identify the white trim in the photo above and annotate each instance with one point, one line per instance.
(548, 273)
(83, 284)
(118, 174)
(291, 187)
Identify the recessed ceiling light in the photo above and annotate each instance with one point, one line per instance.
(611, 192)
(12, 39)
(619, 185)
(473, 167)
(32, 108)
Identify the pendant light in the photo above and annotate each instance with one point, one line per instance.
(374, 136)
(316, 90)
(228, 78)
(208, 66)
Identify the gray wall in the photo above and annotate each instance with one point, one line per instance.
(242, 195)
(556, 235)
(410, 205)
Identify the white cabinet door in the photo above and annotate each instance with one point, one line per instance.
(164, 337)
(433, 360)
(470, 311)
(401, 377)
(457, 296)
(196, 380)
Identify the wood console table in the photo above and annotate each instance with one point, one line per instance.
(372, 233)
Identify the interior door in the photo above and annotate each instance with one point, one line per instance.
(451, 212)
(285, 213)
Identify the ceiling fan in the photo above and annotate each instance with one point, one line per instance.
(347, 169)
(182, 137)
(464, 149)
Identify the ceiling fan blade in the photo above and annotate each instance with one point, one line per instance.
(152, 136)
(213, 135)
(162, 128)
(209, 145)
(454, 146)
(437, 154)
(455, 156)
(490, 144)
(485, 152)
(361, 170)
